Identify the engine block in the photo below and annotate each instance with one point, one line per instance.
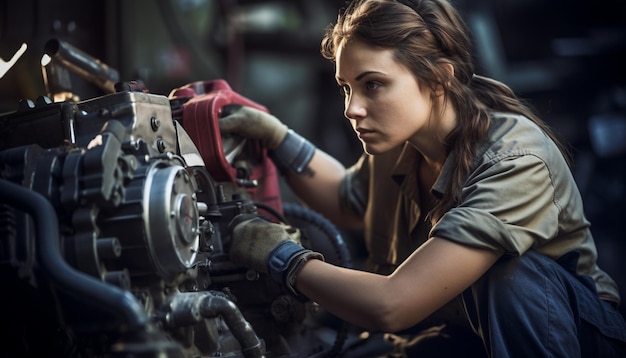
(114, 239)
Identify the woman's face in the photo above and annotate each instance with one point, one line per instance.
(382, 98)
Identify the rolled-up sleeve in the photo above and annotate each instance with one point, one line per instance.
(507, 205)
(353, 190)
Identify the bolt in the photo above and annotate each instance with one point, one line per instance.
(161, 145)
(155, 123)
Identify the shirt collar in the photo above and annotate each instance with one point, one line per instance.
(404, 173)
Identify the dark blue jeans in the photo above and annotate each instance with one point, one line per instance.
(533, 306)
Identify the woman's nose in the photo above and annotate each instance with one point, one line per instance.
(354, 108)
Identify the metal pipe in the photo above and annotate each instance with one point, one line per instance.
(88, 67)
(189, 308)
(213, 305)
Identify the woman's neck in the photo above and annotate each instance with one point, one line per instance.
(430, 141)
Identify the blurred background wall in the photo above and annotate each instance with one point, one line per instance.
(566, 57)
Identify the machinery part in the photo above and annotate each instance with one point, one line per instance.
(83, 64)
(173, 219)
(198, 107)
(87, 289)
(190, 308)
(113, 232)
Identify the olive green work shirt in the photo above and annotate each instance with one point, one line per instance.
(520, 195)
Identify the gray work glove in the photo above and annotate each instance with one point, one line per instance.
(268, 248)
(289, 150)
(253, 123)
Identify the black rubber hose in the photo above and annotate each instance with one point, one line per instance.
(77, 284)
(300, 212)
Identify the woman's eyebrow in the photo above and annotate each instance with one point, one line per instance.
(360, 76)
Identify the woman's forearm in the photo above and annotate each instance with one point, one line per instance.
(318, 188)
(433, 275)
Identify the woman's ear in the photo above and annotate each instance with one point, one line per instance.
(450, 71)
(448, 75)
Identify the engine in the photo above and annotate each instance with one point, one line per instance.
(114, 236)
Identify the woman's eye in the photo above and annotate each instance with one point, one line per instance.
(370, 86)
(345, 90)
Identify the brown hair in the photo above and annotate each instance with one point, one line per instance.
(425, 35)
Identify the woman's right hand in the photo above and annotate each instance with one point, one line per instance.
(253, 123)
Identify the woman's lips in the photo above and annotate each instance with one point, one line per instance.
(365, 133)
